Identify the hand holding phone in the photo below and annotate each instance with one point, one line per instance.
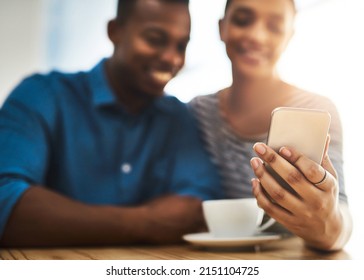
(305, 130)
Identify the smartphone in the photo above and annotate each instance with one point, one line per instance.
(303, 129)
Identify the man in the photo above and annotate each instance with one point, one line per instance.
(103, 157)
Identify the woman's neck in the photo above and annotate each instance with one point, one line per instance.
(247, 105)
(246, 94)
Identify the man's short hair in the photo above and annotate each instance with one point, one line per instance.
(125, 8)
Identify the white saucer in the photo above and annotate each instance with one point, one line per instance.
(207, 240)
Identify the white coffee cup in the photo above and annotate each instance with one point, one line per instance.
(234, 217)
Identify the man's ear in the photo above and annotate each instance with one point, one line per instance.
(113, 30)
(221, 29)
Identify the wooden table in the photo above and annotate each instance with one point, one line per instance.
(287, 249)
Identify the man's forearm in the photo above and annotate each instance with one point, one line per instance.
(44, 218)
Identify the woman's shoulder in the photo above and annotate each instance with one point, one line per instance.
(307, 99)
(205, 108)
(301, 98)
(205, 100)
(204, 105)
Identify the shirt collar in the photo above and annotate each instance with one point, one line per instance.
(102, 94)
(164, 104)
(101, 91)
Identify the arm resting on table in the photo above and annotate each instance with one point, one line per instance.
(45, 218)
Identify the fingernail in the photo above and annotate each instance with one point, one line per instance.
(260, 148)
(254, 162)
(285, 152)
(255, 184)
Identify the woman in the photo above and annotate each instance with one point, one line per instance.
(255, 34)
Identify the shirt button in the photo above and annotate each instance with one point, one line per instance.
(126, 168)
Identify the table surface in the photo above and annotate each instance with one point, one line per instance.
(285, 249)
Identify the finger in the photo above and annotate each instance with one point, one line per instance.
(312, 171)
(278, 213)
(327, 164)
(279, 195)
(327, 144)
(289, 173)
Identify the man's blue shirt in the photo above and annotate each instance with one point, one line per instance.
(67, 132)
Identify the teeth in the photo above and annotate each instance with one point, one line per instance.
(162, 77)
(252, 53)
(255, 55)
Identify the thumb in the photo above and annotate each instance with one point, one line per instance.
(326, 162)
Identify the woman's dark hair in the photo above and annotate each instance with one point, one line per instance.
(125, 8)
(228, 2)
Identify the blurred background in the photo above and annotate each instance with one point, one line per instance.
(325, 56)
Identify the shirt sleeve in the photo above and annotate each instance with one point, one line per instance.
(194, 173)
(23, 142)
